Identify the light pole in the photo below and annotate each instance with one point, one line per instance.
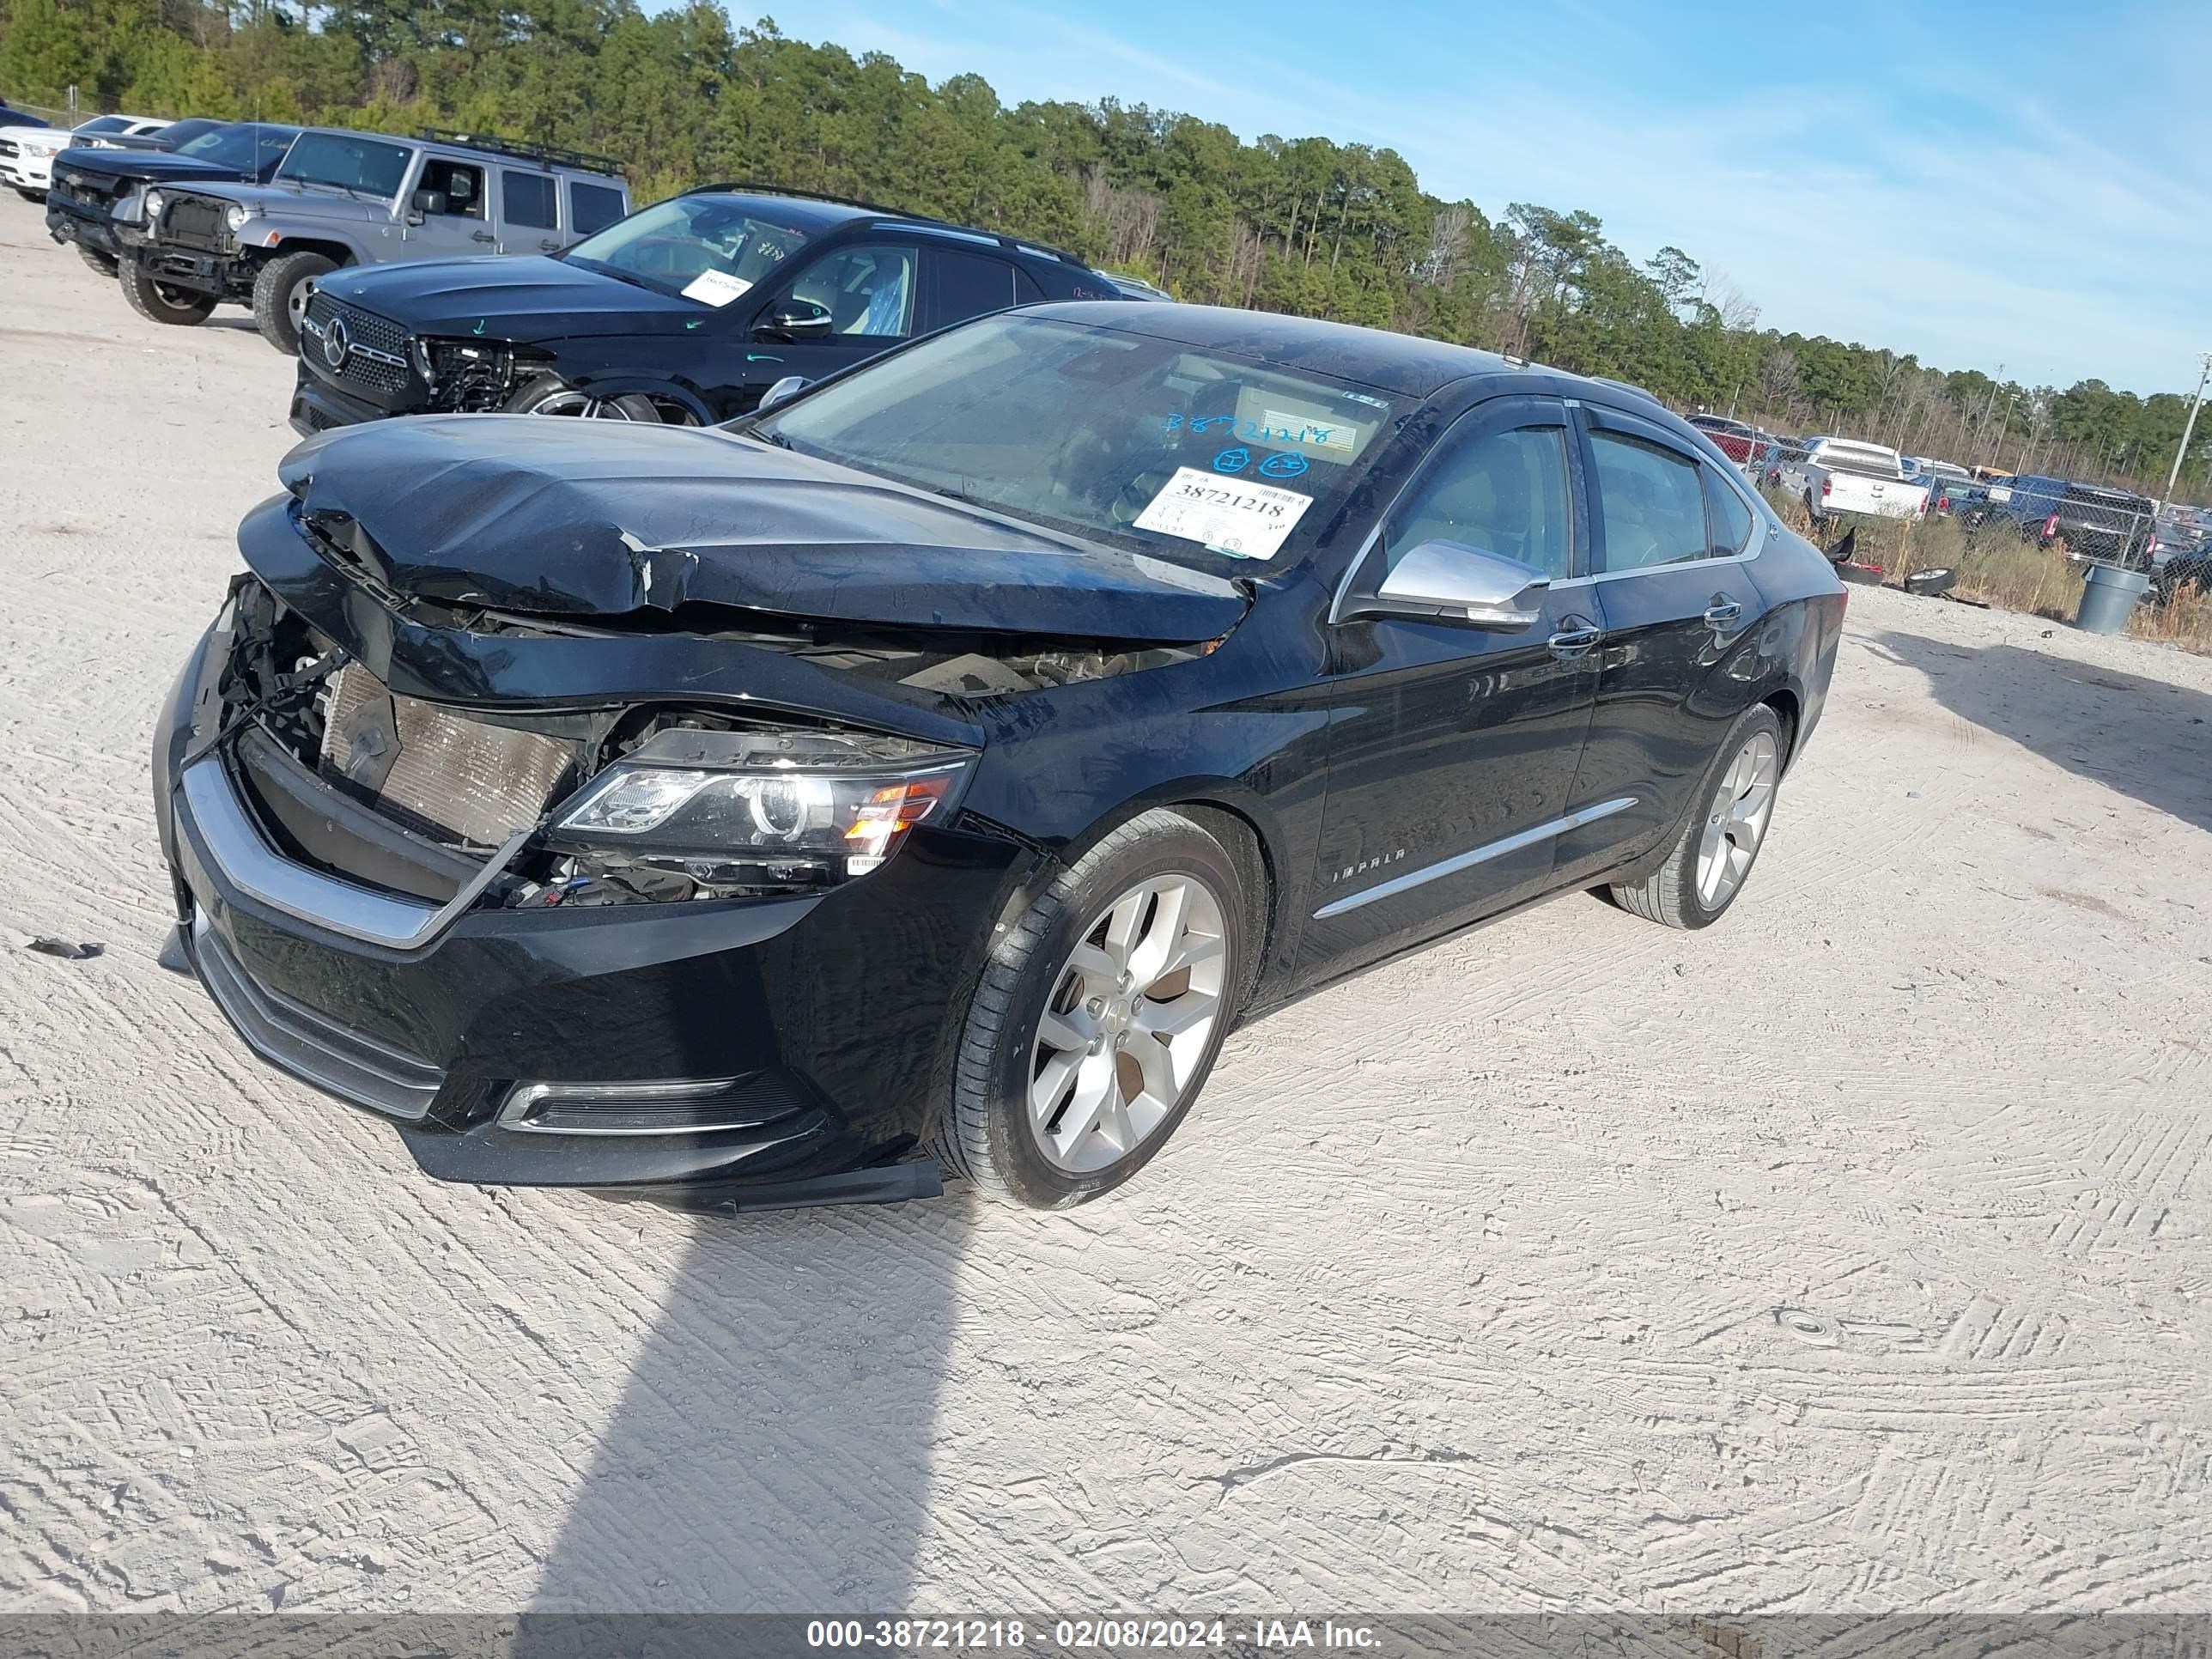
(2189, 426)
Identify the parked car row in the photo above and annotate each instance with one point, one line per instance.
(27, 149)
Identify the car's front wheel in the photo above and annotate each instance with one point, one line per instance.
(1718, 843)
(158, 302)
(281, 289)
(1099, 1015)
(548, 394)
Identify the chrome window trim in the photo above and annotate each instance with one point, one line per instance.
(1482, 854)
(243, 855)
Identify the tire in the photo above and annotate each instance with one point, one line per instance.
(548, 394)
(102, 263)
(990, 1132)
(31, 195)
(279, 297)
(1672, 896)
(180, 307)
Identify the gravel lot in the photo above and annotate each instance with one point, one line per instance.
(1850, 1255)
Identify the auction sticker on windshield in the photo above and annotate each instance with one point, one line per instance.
(1244, 520)
(716, 288)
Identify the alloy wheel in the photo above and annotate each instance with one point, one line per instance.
(567, 402)
(1127, 1026)
(296, 304)
(1736, 821)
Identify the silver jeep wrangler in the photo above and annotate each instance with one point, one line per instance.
(354, 198)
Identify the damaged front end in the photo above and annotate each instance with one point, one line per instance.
(587, 844)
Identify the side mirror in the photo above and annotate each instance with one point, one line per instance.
(782, 392)
(793, 320)
(1454, 582)
(427, 202)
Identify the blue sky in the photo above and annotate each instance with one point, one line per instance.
(2027, 185)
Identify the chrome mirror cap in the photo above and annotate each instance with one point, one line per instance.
(782, 392)
(1454, 583)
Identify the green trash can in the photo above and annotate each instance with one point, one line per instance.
(2108, 594)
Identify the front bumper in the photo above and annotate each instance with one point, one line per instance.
(28, 172)
(832, 1012)
(215, 274)
(68, 224)
(319, 406)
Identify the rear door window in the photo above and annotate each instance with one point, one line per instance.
(1651, 504)
(1728, 516)
(593, 207)
(528, 200)
(964, 285)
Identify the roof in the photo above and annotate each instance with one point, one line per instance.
(1402, 363)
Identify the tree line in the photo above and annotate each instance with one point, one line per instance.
(1303, 225)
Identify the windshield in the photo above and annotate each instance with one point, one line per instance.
(178, 134)
(351, 163)
(1163, 448)
(705, 247)
(105, 124)
(244, 146)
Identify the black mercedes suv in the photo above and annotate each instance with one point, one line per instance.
(950, 757)
(685, 313)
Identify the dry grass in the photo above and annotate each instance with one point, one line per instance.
(1994, 564)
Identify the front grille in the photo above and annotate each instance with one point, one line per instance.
(8, 149)
(375, 354)
(197, 222)
(436, 771)
(294, 1038)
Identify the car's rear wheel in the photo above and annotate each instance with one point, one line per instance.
(280, 289)
(102, 263)
(1713, 855)
(1099, 1015)
(548, 394)
(159, 302)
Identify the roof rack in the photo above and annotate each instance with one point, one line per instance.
(522, 149)
(749, 187)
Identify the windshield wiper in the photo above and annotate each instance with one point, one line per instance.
(354, 190)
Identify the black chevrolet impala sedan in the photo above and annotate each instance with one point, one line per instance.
(937, 766)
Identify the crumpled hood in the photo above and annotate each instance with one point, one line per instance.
(521, 298)
(574, 518)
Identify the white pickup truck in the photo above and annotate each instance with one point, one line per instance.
(1842, 478)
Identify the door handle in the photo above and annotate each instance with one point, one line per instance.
(1723, 613)
(551, 244)
(1571, 642)
(482, 236)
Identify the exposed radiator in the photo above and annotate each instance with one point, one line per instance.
(450, 777)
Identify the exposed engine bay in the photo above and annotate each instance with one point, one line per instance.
(447, 788)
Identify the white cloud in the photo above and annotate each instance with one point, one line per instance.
(1936, 210)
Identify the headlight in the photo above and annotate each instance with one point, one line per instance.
(691, 813)
(235, 217)
(155, 201)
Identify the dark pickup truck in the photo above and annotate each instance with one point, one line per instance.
(2096, 523)
(93, 190)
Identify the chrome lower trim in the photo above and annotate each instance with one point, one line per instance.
(526, 1098)
(243, 857)
(1467, 860)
